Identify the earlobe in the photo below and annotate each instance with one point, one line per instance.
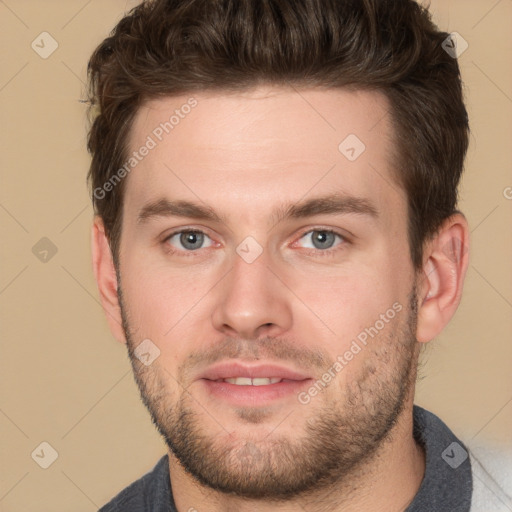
(106, 279)
(440, 290)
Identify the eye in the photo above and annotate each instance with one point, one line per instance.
(190, 240)
(322, 239)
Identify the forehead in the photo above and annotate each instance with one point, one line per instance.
(245, 151)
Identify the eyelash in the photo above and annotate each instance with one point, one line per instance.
(315, 252)
(327, 252)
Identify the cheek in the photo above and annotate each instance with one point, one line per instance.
(162, 301)
(345, 303)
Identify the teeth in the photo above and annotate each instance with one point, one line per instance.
(247, 381)
(262, 381)
(239, 381)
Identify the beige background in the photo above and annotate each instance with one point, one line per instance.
(64, 380)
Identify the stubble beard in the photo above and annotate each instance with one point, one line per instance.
(339, 439)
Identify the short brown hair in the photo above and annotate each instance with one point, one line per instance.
(170, 47)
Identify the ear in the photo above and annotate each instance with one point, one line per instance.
(105, 274)
(446, 260)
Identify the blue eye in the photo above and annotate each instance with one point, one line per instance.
(322, 239)
(190, 240)
(187, 242)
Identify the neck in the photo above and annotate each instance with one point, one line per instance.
(388, 481)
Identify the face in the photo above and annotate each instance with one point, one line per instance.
(259, 242)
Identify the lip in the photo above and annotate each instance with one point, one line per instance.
(227, 370)
(252, 396)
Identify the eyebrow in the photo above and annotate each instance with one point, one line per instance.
(333, 204)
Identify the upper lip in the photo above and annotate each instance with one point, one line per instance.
(231, 369)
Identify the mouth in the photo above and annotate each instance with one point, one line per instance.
(238, 373)
(259, 381)
(245, 385)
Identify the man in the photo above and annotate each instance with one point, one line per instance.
(276, 238)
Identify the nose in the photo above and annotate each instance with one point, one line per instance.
(252, 301)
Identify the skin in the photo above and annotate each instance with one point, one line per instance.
(245, 154)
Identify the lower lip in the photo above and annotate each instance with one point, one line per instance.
(254, 395)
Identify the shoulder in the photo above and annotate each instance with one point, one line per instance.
(151, 488)
(491, 468)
